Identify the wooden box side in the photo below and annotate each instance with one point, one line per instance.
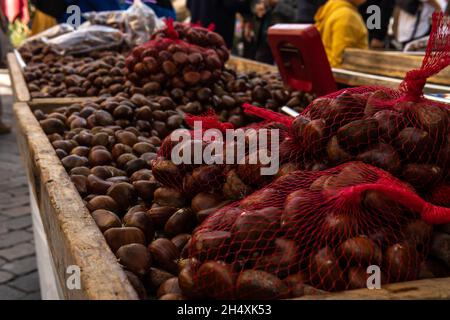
(431, 289)
(72, 234)
(18, 83)
(389, 64)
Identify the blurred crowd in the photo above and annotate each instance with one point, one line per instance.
(244, 23)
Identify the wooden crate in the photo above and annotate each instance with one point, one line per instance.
(75, 239)
(346, 76)
(73, 236)
(391, 64)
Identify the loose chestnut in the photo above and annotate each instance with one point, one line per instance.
(164, 254)
(106, 219)
(118, 237)
(260, 285)
(135, 258)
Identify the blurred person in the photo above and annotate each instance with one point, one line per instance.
(222, 13)
(14, 9)
(266, 13)
(5, 47)
(341, 26)
(181, 9)
(378, 37)
(307, 9)
(41, 22)
(412, 19)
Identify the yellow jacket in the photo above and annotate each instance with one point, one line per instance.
(41, 22)
(340, 26)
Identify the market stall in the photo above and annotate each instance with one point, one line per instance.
(109, 199)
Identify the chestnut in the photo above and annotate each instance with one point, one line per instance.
(182, 221)
(123, 194)
(106, 219)
(422, 176)
(135, 258)
(325, 271)
(216, 280)
(145, 189)
(401, 262)
(382, 156)
(155, 278)
(103, 202)
(169, 286)
(295, 284)
(172, 297)
(203, 201)
(72, 161)
(256, 228)
(234, 188)
(358, 134)
(164, 254)
(169, 197)
(357, 278)
(360, 250)
(260, 285)
(136, 283)
(142, 221)
(281, 260)
(118, 237)
(181, 240)
(97, 185)
(100, 157)
(160, 215)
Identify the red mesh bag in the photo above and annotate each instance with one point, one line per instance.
(236, 175)
(310, 231)
(397, 130)
(197, 35)
(169, 62)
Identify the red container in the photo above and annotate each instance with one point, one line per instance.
(301, 58)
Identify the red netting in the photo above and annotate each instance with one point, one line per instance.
(236, 174)
(320, 229)
(197, 35)
(397, 130)
(170, 62)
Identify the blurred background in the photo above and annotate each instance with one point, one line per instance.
(244, 23)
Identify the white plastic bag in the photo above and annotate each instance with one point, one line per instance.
(87, 39)
(138, 22)
(52, 32)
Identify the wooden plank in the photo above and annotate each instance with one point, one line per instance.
(390, 64)
(421, 289)
(72, 234)
(353, 78)
(342, 76)
(246, 65)
(18, 83)
(47, 105)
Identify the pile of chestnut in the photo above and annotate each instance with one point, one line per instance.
(101, 73)
(107, 147)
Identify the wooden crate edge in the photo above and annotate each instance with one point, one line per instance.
(431, 289)
(73, 236)
(18, 83)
